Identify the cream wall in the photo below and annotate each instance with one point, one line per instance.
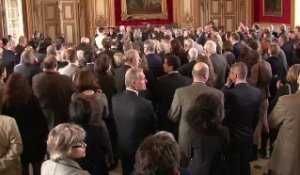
(297, 13)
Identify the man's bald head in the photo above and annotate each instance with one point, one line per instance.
(200, 72)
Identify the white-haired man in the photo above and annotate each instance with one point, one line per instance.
(219, 64)
(135, 117)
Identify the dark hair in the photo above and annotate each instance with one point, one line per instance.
(59, 42)
(157, 155)
(176, 46)
(173, 60)
(86, 80)
(107, 42)
(205, 117)
(80, 111)
(44, 44)
(102, 64)
(235, 36)
(253, 44)
(17, 91)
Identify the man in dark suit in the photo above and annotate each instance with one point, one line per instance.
(187, 68)
(234, 38)
(288, 48)
(135, 117)
(8, 57)
(241, 115)
(154, 60)
(132, 59)
(54, 92)
(165, 89)
(184, 100)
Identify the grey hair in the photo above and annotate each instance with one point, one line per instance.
(132, 75)
(210, 46)
(193, 54)
(62, 138)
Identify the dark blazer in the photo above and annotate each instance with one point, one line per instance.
(33, 129)
(288, 49)
(94, 161)
(135, 119)
(236, 49)
(27, 70)
(208, 150)
(241, 114)
(187, 69)
(54, 93)
(8, 61)
(120, 78)
(155, 64)
(165, 90)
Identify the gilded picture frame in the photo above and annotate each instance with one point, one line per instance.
(144, 9)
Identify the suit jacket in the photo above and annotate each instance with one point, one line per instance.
(155, 64)
(54, 93)
(286, 154)
(220, 68)
(62, 167)
(207, 157)
(241, 114)
(288, 49)
(120, 78)
(165, 90)
(27, 70)
(187, 69)
(8, 61)
(10, 147)
(184, 100)
(135, 119)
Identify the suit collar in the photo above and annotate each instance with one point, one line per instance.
(200, 83)
(130, 92)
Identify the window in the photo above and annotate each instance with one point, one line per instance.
(14, 18)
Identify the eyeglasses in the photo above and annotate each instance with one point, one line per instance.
(80, 145)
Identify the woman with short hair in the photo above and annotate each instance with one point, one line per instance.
(65, 143)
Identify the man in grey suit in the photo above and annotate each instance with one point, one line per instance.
(184, 100)
(219, 64)
(285, 116)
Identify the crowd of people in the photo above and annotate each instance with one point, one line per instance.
(161, 100)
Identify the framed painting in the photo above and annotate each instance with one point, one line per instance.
(273, 11)
(143, 9)
(273, 8)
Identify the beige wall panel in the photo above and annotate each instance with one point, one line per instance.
(70, 33)
(230, 24)
(215, 7)
(229, 7)
(50, 12)
(51, 30)
(68, 10)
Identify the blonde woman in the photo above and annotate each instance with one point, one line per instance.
(65, 143)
